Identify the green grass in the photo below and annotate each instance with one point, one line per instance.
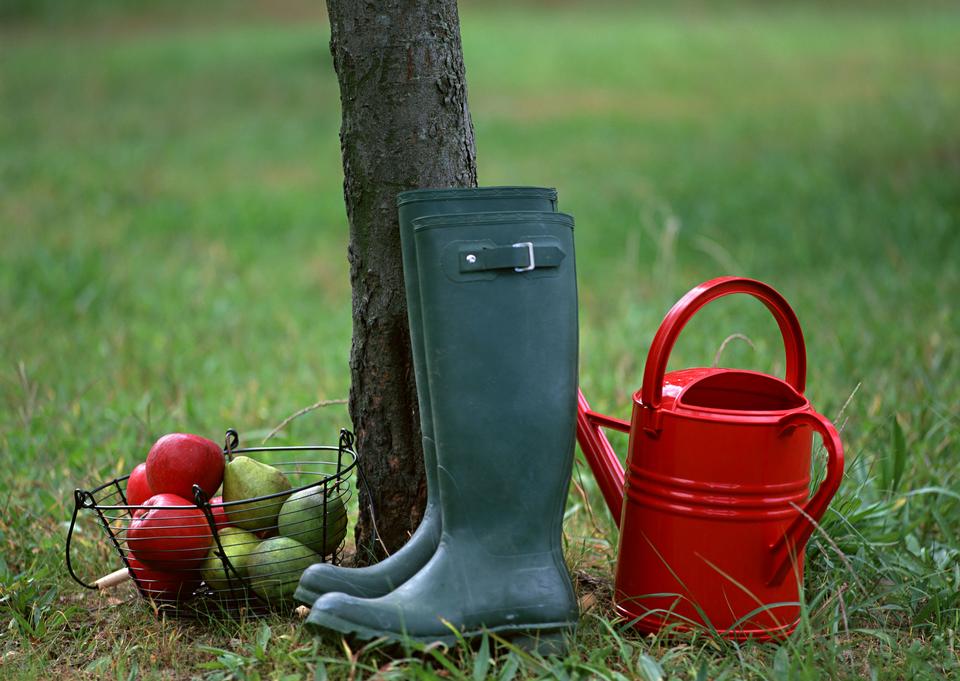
(174, 258)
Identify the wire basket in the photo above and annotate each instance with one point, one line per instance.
(239, 556)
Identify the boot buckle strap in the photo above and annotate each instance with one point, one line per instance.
(523, 256)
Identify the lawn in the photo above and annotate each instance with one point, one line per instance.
(174, 258)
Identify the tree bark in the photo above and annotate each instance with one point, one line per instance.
(405, 125)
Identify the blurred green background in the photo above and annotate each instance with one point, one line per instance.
(174, 239)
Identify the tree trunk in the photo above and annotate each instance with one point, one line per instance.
(405, 125)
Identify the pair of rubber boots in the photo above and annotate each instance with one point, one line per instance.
(491, 293)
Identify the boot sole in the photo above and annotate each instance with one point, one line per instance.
(550, 638)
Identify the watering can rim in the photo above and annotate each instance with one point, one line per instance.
(673, 402)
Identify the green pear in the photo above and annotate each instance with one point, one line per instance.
(245, 478)
(302, 518)
(237, 545)
(274, 568)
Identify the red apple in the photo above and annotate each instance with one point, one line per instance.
(178, 461)
(163, 586)
(220, 518)
(166, 538)
(160, 500)
(138, 489)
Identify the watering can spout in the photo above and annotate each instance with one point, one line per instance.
(599, 453)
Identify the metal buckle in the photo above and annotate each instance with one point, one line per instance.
(533, 263)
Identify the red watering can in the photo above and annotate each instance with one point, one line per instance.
(715, 510)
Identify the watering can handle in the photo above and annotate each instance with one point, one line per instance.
(785, 550)
(678, 316)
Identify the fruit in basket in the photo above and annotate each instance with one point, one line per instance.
(162, 585)
(237, 545)
(164, 537)
(178, 461)
(304, 518)
(220, 518)
(138, 489)
(247, 479)
(275, 566)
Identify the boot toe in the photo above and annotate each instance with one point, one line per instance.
(323, 578)
(365, 618)
(375, 580)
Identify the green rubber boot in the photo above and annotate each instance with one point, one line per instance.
(499, 313)
(390, 573)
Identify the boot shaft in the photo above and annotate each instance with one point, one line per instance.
(499, 311)
(423, 202)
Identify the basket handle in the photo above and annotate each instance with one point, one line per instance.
(81, 500)
(690, 304)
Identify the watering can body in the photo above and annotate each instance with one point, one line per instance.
(714, 507)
